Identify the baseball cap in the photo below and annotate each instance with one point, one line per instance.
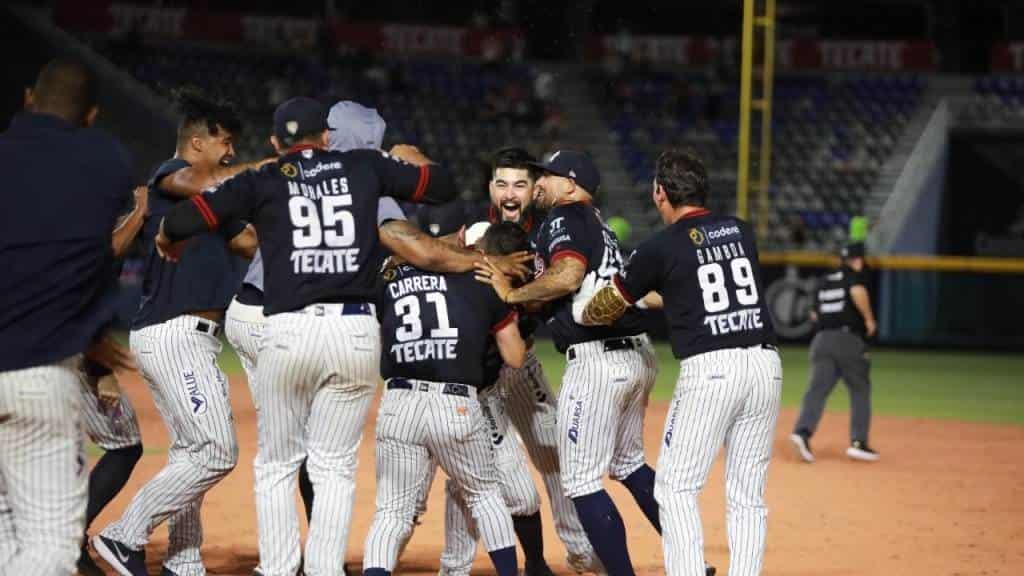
(573, 164)
(852, 250)
(351, 125)
(297, 118)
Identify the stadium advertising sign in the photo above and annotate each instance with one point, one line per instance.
(1008, 57)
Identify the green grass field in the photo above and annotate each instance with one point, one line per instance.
(951, 385)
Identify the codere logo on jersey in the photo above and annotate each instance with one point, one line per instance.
(289, 170)
(696, 236)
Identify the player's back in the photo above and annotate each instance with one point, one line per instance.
(435, 326)
(713, 295)
(205, 277)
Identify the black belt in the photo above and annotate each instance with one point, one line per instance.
(347, 309)
(449, 388)
(207, 327)
(611, 345)
(768, 346)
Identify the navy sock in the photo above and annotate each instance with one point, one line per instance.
(605, 530)
(306, 490)
(641, 485)
(531, 537)
(505, 561)
(108, 477)
(376, 572)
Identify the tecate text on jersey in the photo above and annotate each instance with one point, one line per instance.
(325, 261)
(735, 321)
(426, 349)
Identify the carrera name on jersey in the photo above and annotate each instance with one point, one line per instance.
(324, 228)
(411, 345)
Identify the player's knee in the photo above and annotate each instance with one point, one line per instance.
(220, 456)
(522, 501)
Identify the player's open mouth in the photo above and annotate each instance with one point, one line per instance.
(511, 208)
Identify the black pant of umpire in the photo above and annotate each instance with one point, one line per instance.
(835, 354)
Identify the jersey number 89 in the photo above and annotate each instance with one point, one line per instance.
(328, 224)
(712, 284)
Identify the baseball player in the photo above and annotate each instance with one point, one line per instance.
(174, 336)
(107, 414)
(845, 321)
(610, 370)
(523, 397)
(318, 358)
(704, 267)
(55, 243)
(434, 336)
(351, 126)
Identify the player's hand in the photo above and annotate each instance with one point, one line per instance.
(108, 391)
(107, 352)
(518, 265)
(170, 251)
(488, 273)
(871, 327)
(410, 154)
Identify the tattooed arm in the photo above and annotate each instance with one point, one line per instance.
(563, 278)
(412, 245)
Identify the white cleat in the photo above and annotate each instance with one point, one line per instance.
(860, 451)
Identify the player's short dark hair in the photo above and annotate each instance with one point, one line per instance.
(683, 176)
(66, 88)
(201, 113)
(504, 238)
(514, 157)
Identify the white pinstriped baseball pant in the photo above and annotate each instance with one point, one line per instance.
(317, 373)
(415, 427)
(178, 361)
(601, 413)
(43, 484)
(725, 397)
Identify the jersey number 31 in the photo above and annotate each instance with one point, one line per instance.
(713, 287)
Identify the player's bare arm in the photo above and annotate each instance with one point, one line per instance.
(410, 154)
(105, 351)
(563, 278)
(192, 181)
(652, 301)
(859, 295)
(423, 251)
(510, 345)
(130, 225)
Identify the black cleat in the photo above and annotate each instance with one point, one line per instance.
(122, 559)
(859, 451)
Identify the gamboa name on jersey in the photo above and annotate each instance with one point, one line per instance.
(323, 228)
(725, 313)
(409, 296)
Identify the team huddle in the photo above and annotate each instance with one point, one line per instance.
(340, 291)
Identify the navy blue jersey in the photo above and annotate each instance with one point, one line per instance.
(436, 326)
(706, 269)
(577, 231)
(205, 278)
(64, 189)
(315, 212)
(833, 303)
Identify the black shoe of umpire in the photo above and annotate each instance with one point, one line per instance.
(859, 451)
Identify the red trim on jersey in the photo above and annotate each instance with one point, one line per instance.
(421, 186)
(567, 253)
(300, 148)
(701, 212)
(205, 212)
(510, 318)
(622, 290)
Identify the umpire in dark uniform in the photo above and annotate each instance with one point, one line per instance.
(843, 314)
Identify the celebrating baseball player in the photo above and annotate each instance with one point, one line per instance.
(434, 330)
(610, 369)
(174, 336)
(705, 268)
(523, 397)
(55, 243)
(315, 211)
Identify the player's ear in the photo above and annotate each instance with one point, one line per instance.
(324, 142)
(196, 143)
(90, 116)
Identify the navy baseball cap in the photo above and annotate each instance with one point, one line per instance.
(573, 164)
(852, 250)
(297, 118)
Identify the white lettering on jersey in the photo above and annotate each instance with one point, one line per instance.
(426, 349)
(404, 286)
(736, 321)
(325, 261)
